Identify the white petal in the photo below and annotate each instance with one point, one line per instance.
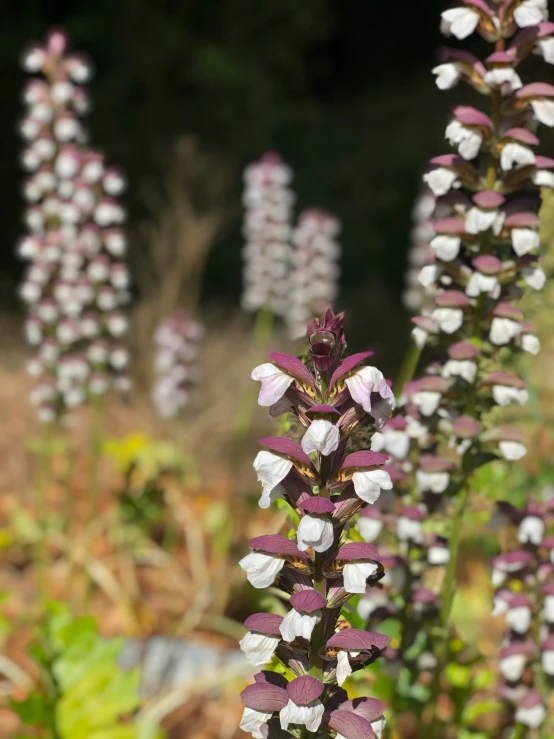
(512, 667)
(460, 22)
(369, 528)
(532, 717)
(365, 381)
(261, 569)
(464, 368)
(534, 277)
(544, 111)
(448, 319)
(531, 529)
(435, 482)
(530, 14)
(271, 469)
(542, 177)
(409, 530)
(478, 220)
(378, 726)
(446, 248)
(427, 275)
(503, 330)
(269, 496)
(427, 402)
(252, 721)
(440, 180)
(530, 343)
(419, 337)
(524, 240)
(309, 716)
(397, 443)
(258, 648)
(355, 575)
(368, 484)
(315, 531)
(448, 75)
(504, 395)
(438, 555)
(299, 624)
(344, 668)
(516, 155)
(321, 436)
(274, 381)
(519, 619)
(548, 609)
(548, 662)
(512, 450)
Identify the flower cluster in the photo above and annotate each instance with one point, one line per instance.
(75, 283)
(268, 202)
(175, 362)
(523, 578)
(486, 242)
(315, 269)
(320, 568)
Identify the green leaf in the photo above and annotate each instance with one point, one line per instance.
(474, 710)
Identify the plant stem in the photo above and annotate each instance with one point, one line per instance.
(43, 466)
(407, 368)
(519, 732)
(263, 329)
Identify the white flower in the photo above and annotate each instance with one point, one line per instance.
(479, 283)
(344, 668)
(315, 531)
(548, 661)
(309, 716)
(460, 22)
(534, 277)
(545, 46)
(516, 155)
(464, 368)
(504, 395)
(441, 180)
(531, 530)
(532, 717)
(512, 450)
(271, 469)
(435, 482)
(512, 667)
(530, 343)
(394, 441)
(519, 619)
(275, 383)
(531, 12)
(542, 177)
(503, 330)
(299, 624)
(321, 436)
(355, 575)
(427, 401)
(478, 220)
(544, 111)
(449, 320)
(524, 240)
(446, 247)
(448, 75)
(409, 530)
(261, 569)
(368, 484)
(258, 648)
(427, 275)
(503, 76)
(253, 722)
(365, 381)
(438, 555)
(467, 140)
(369, 528)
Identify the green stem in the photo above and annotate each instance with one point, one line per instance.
(520, 732)
(407, 368)
(263, 329)
(93, 492)
(40, 506)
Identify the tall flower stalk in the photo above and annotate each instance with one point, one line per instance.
(317, 567)
(486, 242)
(76, 282)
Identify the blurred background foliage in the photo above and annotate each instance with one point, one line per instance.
(342, 90)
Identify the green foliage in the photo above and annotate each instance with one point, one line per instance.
(82, 692)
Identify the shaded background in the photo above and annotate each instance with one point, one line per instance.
(342, 89)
